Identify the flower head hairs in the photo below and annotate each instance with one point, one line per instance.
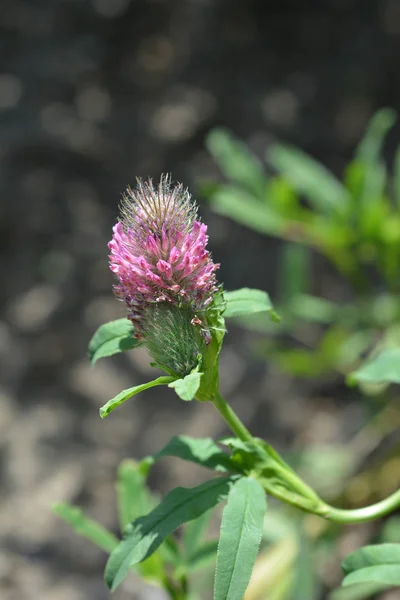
(166, 276)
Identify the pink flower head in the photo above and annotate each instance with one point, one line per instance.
(158, 253)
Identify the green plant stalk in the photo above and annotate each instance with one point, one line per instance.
(231, 418)
(337, 515)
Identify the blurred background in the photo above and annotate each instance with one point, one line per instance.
(92, 94)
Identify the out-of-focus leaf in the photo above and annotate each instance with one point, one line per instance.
(312, 308)
(246, 301)
(111, 338)
(390, 531)
(236, 162)
(203, 556)
(370, 148)
(273, 572)
(194, 531)
(368, 155)
(294, 274)
(383, 368)
(374, 555)
(396, 181)
(133, 496)
(323, 190)
(90, 529)
(305, 583)
(126, 394)
(358, 591)
(376, 564)
(243, 208)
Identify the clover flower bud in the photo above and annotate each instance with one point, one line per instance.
(166, 276)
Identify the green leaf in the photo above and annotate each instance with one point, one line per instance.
(111, 338)
(386, 574)
(246, 301)
(324, 191)
(396, 177)
(126, 394)
(202, 451)
(134, 500)
(358, 591)
(370, 147)
(147, 533)
(243, 208)
(82, 525)
(241, 530)
(312, 308)
(369, 556)
(235, 161)
(187, 387)
(203, 556)
(383, 368)
(373, 564)
(194, 531)
(294, 277)
(133, 496)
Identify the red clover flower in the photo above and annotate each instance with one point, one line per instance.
(166, 276)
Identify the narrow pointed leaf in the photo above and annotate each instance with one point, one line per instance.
(246, 301)
(126, 394)
(242, 207)
(194, 531)
(147, 533)
(203, 556)
(187, 387)
(241, 530)
(86, 527)
(370, 147)
(202, 451)
(235, 161)
(111, 338)
(323, 190)
(133, 496)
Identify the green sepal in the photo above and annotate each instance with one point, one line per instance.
(208, 388)
(187, 387)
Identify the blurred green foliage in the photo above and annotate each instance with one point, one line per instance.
(354, 223)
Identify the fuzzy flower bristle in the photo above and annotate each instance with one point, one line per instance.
(158, 254)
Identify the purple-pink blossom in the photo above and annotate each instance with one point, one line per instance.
(158, 252)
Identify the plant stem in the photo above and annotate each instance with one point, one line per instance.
(231, 418)
(368, 513)
(337, 515)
